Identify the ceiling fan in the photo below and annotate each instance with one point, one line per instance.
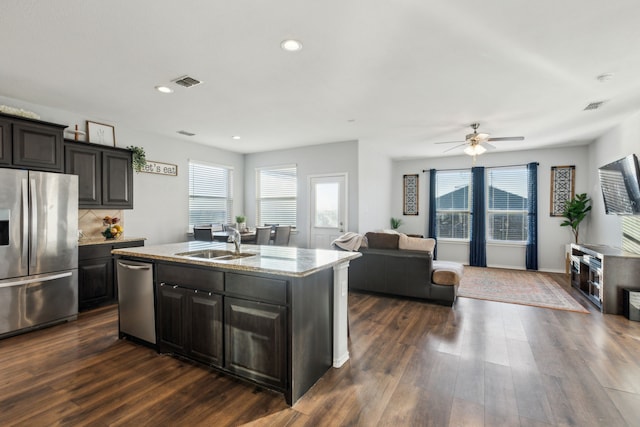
(477, 143)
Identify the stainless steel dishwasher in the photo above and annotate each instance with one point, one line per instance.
(135, 300)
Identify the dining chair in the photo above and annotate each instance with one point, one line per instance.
(226, 227)
(263, 235)
(283, 234)
(202, 233)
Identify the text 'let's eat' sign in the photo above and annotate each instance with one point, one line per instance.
(160, 168)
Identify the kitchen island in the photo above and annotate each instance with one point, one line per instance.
(276, 316)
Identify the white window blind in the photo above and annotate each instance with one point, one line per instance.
(453, 204)
(210, 194)
(277, 195)
(631, 234)
(507, 203)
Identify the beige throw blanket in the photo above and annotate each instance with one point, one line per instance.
(349, 241)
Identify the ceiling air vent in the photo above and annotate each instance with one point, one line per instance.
(184, 132)
(594, 105)
(186, 81)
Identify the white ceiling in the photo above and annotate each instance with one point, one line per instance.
(397, 75)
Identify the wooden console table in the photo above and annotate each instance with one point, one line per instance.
(601, 272)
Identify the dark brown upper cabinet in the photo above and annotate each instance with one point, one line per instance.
(31, 144)
(105, 175)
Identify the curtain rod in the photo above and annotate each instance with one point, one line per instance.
(459, 169)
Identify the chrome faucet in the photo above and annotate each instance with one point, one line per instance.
(235, 238)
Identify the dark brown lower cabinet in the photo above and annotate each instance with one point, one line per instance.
(95, 277)
(255, 340)
(170, 315)
(97, 281)
(204, 337)
(273, 330)
(190, 323)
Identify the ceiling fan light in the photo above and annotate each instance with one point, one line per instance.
(481, 137)
(474, 150)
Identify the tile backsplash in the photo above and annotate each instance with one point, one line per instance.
(90, 221)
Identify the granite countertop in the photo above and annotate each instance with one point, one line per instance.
(103, 241)
(283, 260)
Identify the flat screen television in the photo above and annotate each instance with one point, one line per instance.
(620, 183)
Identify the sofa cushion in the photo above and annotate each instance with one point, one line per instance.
(447, 273)
(382, 240)
(415, 243)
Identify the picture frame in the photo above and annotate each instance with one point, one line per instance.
(562, 188)
(410, 194)
(100, 133)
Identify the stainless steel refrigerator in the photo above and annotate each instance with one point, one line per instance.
(38, 249)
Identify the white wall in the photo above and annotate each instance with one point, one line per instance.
(339, 157)
(619, 142)
(376, 186)
(160, 202)
(551, 237)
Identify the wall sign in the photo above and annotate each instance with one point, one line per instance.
(160, 168)
(562, 188)
(410, 199)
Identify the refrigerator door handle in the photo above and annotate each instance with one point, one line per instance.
(33, 255)
(35, 280)
(25, 221)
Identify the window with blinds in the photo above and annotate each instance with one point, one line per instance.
(453, 204)
(210, 194)
(631, 234)
(507, 203)
(277, 191)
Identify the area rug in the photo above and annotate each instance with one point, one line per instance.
(516, 287)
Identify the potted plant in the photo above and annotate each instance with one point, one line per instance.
(139, 159)
(395, 223)
(575, 211)
(241, 220)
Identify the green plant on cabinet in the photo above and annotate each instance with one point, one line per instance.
(575, 211)
(139, 159)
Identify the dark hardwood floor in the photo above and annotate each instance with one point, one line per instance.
(412, 364)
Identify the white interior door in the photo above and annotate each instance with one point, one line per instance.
(328, 213)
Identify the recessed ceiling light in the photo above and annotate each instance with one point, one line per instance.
(291, 45)
(164, 89)
(235, 137)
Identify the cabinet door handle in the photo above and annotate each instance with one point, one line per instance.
(195, 290)
(175, 286)
(162, 284)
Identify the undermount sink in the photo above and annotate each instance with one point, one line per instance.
(216, 254)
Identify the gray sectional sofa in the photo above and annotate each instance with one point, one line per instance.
(385, 268)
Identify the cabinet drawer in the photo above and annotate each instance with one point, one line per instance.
(258, 288)
(104, 249)
(130, 244)
(94, 251)
(191, 277)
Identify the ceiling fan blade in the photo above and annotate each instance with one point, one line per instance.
(489, 146)
(451, 142)
(507, 138)
(457, 146)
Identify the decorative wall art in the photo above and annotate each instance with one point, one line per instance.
(99, 133)
(562, 188)
(410, 198)
(160, 168)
